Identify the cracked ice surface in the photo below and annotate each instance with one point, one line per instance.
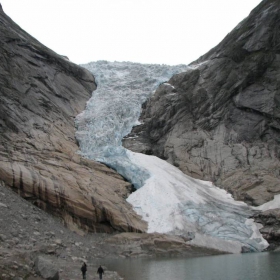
(170, 201)
(114, 108)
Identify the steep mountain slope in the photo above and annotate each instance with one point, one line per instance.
(41, 94)
(220, 120)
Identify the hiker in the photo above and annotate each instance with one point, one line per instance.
(84, 270)
(100, 271)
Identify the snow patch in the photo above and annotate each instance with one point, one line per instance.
(273, 204)
(172, 202)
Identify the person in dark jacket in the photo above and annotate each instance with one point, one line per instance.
(100, 271)
(84, 270)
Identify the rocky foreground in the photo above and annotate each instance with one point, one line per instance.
(35, 245)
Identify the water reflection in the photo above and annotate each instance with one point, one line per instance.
(254, 266)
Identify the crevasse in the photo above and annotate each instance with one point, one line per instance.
(170, 201)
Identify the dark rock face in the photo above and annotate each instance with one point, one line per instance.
(220, 120)
(271, 230)
(41, 93)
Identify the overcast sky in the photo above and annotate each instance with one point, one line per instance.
(146, 31)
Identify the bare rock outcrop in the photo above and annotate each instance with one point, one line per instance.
(150, 245)
(220, 120)
(40, 95)
(271, 226)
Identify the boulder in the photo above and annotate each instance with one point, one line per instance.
(46, 268)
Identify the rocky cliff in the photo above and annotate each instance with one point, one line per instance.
(220, 120)
(41, 94)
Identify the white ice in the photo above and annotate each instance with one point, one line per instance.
(172, 202)
(273, 204)
(167, 199)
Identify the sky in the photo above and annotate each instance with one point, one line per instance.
(146, 31)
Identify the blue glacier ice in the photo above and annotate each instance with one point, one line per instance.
(114, 108)
(170, 201)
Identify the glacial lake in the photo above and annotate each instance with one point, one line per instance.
(253, 266)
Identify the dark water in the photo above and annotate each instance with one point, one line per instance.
(254, 266)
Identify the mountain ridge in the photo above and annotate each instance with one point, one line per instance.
(41, 94)
(220, 120)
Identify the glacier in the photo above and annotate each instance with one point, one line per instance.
(170, 201)
(114, 108)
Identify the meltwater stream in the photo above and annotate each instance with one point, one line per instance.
(170, 201)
